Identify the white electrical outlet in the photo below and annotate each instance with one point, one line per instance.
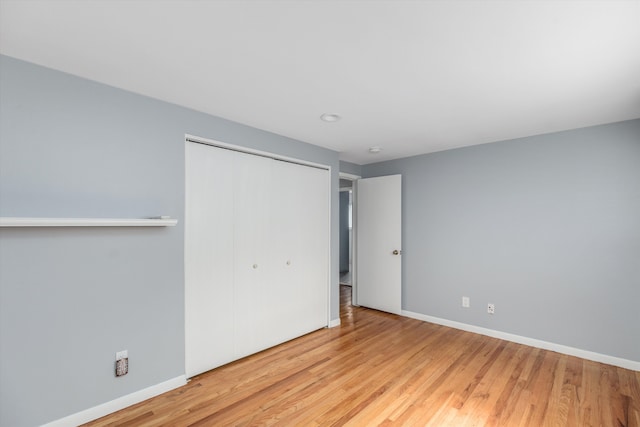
(465, 302)
(121, 355)
(491, 309)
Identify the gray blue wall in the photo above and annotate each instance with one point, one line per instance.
(351, 168)
(547, 228)
(71, 298)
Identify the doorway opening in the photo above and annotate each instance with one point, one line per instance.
(346, 234)
(347, 266)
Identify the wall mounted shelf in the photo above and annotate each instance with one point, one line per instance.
(87, 222)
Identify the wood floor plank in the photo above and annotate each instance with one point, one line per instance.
(379, 369)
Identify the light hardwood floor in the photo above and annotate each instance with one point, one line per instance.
(382, 369)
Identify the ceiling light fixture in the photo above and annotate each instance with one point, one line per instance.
(330, 118)
(375, 150)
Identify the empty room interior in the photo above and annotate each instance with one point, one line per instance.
(320, 213)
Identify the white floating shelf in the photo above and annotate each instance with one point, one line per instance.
(87, 222)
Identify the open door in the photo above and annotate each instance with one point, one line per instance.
(379, 265)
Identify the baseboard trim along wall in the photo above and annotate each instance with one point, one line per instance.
(130, 399)
(119, 403)
(545, 345)
(149, 392)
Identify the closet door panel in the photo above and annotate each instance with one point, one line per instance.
(301, 226)
(208, 259)
(252, 265)
(286, 291)
(313, 246)
(256, 254)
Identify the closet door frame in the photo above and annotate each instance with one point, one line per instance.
(190, 139)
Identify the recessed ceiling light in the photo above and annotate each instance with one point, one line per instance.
(375, 150)
(330, 117)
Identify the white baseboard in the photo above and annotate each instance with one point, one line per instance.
(571, 351)
(149, 392)
(117, 404)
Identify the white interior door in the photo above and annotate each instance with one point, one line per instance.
(379, 246)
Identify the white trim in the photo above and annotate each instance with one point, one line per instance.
(242, 149)
(87, 222)
(545, 345)
(349, 176)
(354, 244)
(117, 404)
(329, 249)
(333, 323)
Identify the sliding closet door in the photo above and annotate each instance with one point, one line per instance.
(209, 258)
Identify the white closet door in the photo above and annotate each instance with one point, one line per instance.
(256, 254)
(253, 269)
(278, 303)
(300, 221)
(314, 233)
(208, 258)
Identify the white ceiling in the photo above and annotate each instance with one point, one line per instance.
(409, 76)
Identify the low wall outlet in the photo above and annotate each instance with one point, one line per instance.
(465, 302)
(491, 309)
(122, 363)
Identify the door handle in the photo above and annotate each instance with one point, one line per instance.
(396, 252)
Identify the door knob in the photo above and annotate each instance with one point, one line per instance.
(396, 252)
